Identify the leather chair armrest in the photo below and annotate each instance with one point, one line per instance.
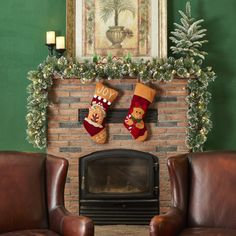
(64, 223)
(169, 224)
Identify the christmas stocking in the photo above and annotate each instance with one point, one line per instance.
(94, 123)
(143, 96)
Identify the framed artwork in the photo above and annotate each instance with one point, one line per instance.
(116, 27)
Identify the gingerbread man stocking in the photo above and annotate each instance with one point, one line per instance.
(94, 123)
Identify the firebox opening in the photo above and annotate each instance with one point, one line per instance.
(119, 185)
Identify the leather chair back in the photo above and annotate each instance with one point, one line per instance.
(22, 191)
(212, 190)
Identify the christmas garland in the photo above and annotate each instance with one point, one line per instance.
(187, 39)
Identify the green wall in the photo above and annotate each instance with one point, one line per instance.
(220, 20)
(22, 36)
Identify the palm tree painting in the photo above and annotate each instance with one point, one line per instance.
(116, 27)
(112, 9)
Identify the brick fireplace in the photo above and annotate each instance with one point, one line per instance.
(67, 137)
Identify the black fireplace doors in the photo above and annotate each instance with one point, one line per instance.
(119, 186)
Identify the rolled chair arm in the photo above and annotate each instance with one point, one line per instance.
(169, 224)
(64, 223)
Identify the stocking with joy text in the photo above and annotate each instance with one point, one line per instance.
(94, 123)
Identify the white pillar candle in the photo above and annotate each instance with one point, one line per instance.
(50, 37)
(60, 42)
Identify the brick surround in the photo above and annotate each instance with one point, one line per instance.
(67, 137)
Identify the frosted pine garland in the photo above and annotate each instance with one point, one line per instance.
(187, 39)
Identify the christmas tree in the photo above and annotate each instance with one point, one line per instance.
(188, 39)
(188, 36)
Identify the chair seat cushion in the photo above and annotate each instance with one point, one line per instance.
(32, 232)
(208, 232)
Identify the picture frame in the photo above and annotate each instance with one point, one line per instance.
(87, 33)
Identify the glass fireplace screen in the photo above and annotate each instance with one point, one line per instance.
(118, 175)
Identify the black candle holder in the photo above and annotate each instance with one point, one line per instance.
(51, 47)
(60, 52)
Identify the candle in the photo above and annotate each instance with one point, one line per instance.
(60, 42)
(50, 37)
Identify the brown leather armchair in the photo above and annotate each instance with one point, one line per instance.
(32, 197)
(203, 189)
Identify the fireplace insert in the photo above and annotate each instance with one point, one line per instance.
(119, 186)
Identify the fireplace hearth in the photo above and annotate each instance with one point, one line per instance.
(119, 186)
(166, 123)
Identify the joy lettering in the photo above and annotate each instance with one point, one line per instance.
(103, 91)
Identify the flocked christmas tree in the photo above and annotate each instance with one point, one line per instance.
(188, 36)
(188, 39)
